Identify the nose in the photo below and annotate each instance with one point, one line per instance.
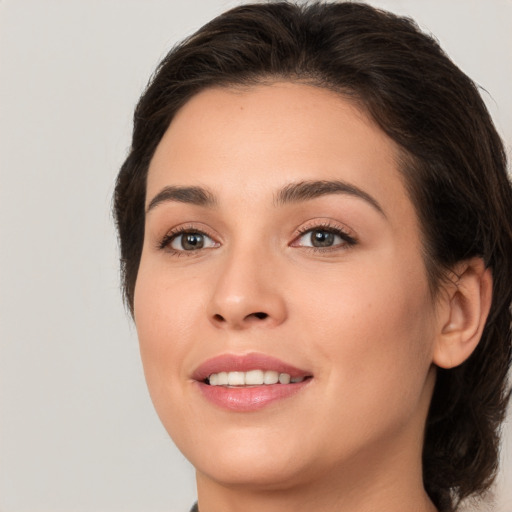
(247, 293)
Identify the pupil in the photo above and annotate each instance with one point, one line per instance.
(192, 241)
(322, 238)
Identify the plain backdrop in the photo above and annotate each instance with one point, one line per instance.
(78, 431)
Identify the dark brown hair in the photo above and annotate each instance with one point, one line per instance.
(453, 163)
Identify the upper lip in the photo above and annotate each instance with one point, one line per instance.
(245, 363)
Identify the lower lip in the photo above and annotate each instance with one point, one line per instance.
(245, 399)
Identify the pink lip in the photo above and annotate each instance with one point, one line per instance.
(245, 399)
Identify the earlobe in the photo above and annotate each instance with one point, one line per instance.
(465, 307)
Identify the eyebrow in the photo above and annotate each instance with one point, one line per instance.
(291, 193)
(307, 190)
(192, 195)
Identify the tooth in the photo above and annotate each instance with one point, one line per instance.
(271, 377)
(254, 377)
(236, 378)
(251, 378)
(222, 379)
(284, 378)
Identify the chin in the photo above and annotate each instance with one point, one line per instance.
(248, 461)
(264, 474)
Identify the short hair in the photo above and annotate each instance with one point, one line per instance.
(452, 162)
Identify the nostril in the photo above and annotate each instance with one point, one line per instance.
(238, 321)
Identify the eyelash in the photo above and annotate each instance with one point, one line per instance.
(165, 243)
(327, 227)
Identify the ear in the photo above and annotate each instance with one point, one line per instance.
(463, 308)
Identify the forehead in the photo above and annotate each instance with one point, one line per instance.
(258, 139)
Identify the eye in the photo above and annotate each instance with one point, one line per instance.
(324, 238)
(187, 241)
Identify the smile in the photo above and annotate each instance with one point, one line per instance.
(248, 382)
(251, 378)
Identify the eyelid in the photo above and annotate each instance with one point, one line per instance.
(164, 241)
(328, 225)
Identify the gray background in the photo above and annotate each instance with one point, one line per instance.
(78, 432)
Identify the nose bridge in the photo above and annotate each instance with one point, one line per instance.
(246, 291)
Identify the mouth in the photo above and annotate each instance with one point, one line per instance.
(248, 382)
(253, 369)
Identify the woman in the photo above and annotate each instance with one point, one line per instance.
(316, 246)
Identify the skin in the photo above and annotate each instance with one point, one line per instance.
(360, 317)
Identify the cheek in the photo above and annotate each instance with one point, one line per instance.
(375, 326)
(163, 316)
(165, 307)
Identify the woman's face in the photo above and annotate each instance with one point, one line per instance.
(280, 243)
